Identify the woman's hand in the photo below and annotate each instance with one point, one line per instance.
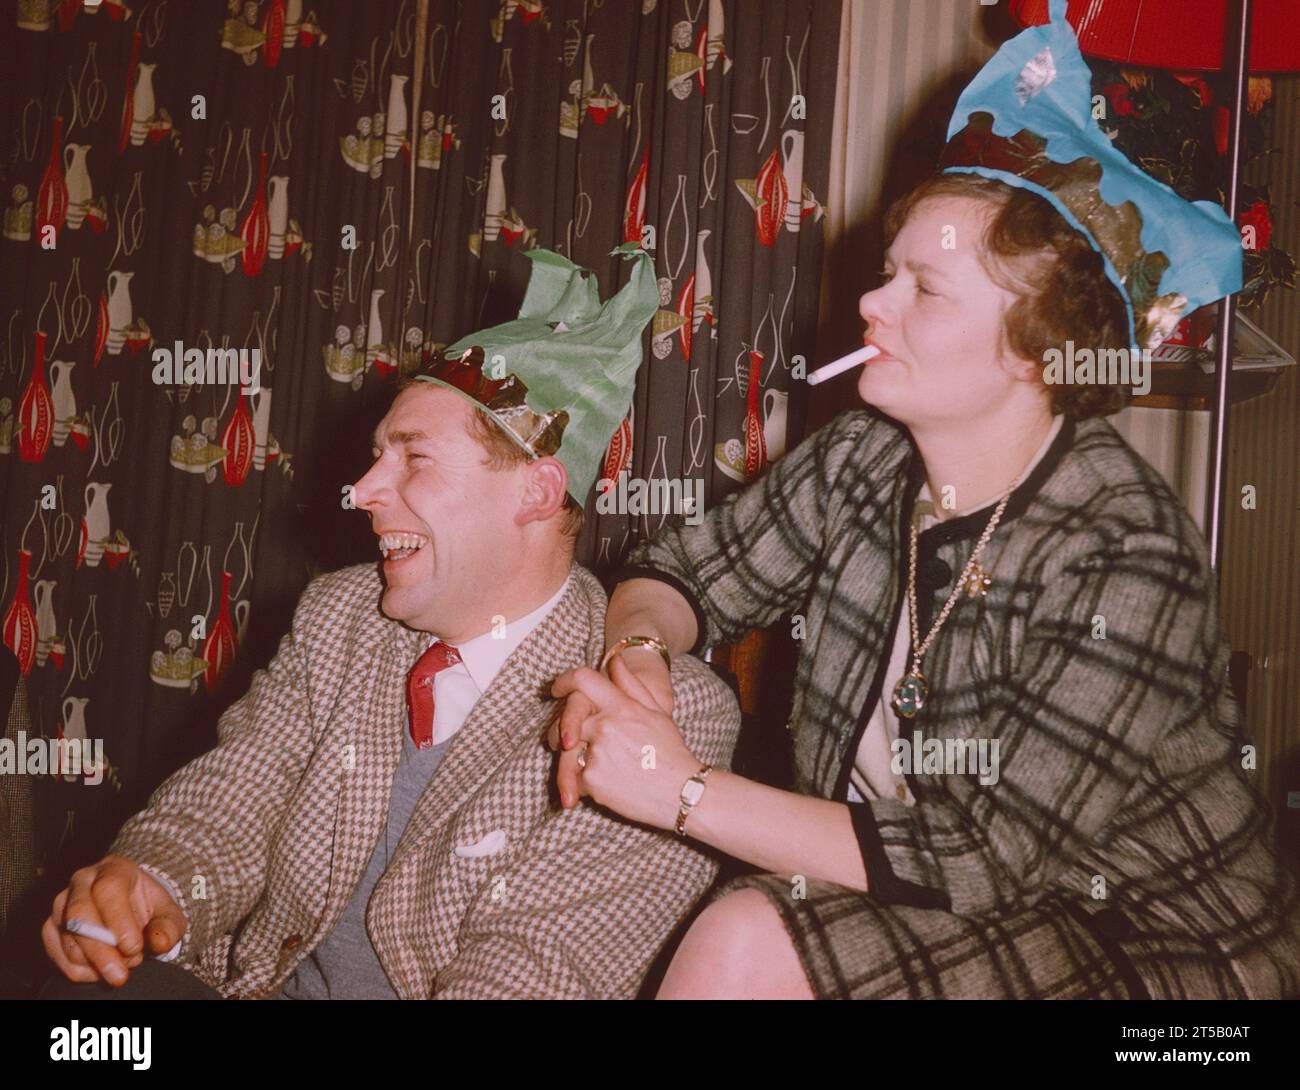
(566, 733)
(635, 760)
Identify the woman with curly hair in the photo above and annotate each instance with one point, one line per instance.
(1018, 765)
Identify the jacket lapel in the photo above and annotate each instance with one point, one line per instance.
(374, 717)
(412, 944)
(515, 704)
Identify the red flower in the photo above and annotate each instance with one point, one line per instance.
(1197, 84)
(1257, 216)
(1117, 94)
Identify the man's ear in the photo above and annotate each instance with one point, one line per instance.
(545, 492)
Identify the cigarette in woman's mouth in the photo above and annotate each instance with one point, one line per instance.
(839, 366)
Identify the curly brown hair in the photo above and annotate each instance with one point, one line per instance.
(502, 453)
(1059, 279)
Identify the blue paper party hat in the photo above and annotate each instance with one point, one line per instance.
(1026, 119)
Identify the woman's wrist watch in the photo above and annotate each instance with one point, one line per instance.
(654, 643)
(692, 792)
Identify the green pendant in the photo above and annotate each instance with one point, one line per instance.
(909, 695)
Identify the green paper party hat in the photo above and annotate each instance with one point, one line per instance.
(560, 377)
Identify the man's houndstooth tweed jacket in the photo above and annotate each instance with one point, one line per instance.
(267, 835)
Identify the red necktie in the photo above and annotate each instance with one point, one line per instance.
(419, 690)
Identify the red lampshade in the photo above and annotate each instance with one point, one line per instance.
(1182, 34)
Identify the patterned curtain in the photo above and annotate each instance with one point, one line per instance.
(699, 128)
(333, 188)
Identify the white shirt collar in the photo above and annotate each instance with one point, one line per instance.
(483, 656)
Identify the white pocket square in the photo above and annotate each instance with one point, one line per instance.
(492, 843)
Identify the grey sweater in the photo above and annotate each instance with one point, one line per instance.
(345, 965)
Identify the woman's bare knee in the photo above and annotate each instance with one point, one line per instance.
(738, 948)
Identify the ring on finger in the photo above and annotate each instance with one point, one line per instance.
(582, 755)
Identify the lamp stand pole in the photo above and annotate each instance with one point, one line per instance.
(1228, 308)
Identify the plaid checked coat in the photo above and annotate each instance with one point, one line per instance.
(1123, 850)
(275, 826)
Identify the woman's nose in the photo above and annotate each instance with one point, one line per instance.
(872, 306)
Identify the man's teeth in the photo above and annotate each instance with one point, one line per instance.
(396, 546)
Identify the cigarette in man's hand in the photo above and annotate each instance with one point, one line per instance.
(844, 363)
(90, 931)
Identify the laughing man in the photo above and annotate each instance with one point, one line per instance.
(377, 819)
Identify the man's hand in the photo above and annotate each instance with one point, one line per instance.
(113, 893)
(568, 732)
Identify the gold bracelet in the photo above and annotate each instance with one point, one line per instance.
(654, 643)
